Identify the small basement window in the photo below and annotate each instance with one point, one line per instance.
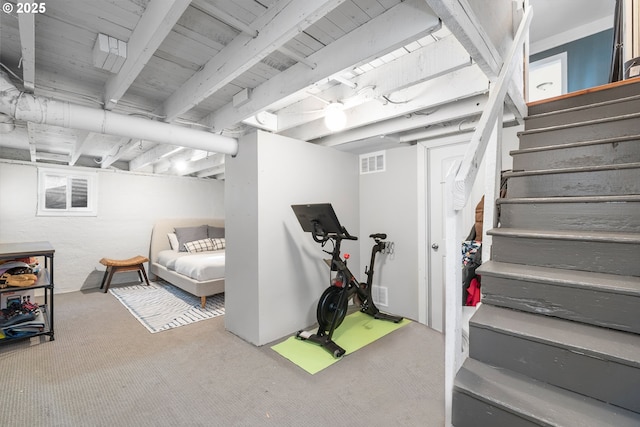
(64, 193)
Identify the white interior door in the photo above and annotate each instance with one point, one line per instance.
(439, 160)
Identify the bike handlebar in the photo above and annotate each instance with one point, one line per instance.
(347, 236)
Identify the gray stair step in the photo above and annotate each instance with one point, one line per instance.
(610, 127)
(597, 251)
(609, 108)
(599, 213)
(592, 361)
(600, 299)
(603, 180)
(485, 396)
(588, 153)
(586, 97)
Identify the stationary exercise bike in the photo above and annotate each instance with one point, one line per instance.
(321, 221)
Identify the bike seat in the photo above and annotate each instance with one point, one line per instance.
(378, 236)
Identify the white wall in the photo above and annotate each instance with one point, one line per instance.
(274, 271)
(128, 205)
(389, 204)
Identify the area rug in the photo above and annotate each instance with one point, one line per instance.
(161, 306)
(356, 331)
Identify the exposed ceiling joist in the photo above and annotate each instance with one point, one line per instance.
(117, 151)
(153, 155)
(26, 23)
(426, 63)
(31, 134)
(157, 21)
(225, 17)
(450, 87)
(53, 157)
(209, 164)
(461, 110)
(276, 26)
(460, 18)
(301, 59)
(410, 20)
(81, 140)
(174, 163)
(217, 171)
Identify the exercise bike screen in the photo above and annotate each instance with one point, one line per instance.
(321, 213)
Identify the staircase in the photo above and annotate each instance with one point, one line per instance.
(556, 341)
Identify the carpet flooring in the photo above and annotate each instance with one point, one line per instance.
(104, 369)
(161, 306)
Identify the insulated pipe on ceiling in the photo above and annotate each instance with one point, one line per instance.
(37, 109)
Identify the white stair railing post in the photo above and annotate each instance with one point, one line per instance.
(459, 182)
(453, 292)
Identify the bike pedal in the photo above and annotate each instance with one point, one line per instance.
(305, 335)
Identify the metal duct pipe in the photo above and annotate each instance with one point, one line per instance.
(37, 109)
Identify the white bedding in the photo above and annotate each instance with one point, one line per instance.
(201, 266)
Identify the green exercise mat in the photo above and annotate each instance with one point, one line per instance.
(356, 331)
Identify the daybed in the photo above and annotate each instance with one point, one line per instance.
(200, 272)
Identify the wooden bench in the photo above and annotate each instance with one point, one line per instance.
(120, 265)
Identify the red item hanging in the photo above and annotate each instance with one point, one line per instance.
(473, 291)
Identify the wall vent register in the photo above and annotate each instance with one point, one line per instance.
(372, 162)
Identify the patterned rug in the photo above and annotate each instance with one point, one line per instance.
(161, 306)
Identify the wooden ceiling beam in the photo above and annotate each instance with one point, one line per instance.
(31, 135)
(225, 17)
(53, 157)
(117, 151)
(27, 29)
(81, 139)
(215, 161)
(462, 21)
(156, 23)
(458, 111)
(410, 20)
(426, 63)
(175, 163)
(216, 171)
(457, 85)
(153, 155)
(279, 24)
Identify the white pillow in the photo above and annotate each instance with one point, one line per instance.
(173, 241)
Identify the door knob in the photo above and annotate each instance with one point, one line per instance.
(435, 246)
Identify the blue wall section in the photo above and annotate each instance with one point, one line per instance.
(588, 60)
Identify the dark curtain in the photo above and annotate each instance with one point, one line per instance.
(617, 66)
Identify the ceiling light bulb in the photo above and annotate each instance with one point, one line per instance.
(335, 119)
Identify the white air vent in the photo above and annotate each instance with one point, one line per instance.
(372, 162)
(380, 295)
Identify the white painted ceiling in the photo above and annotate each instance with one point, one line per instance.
(400, 76)
(554, 17)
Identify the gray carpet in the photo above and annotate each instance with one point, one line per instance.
(104, 369)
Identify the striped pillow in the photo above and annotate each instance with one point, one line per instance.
(199, 246)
